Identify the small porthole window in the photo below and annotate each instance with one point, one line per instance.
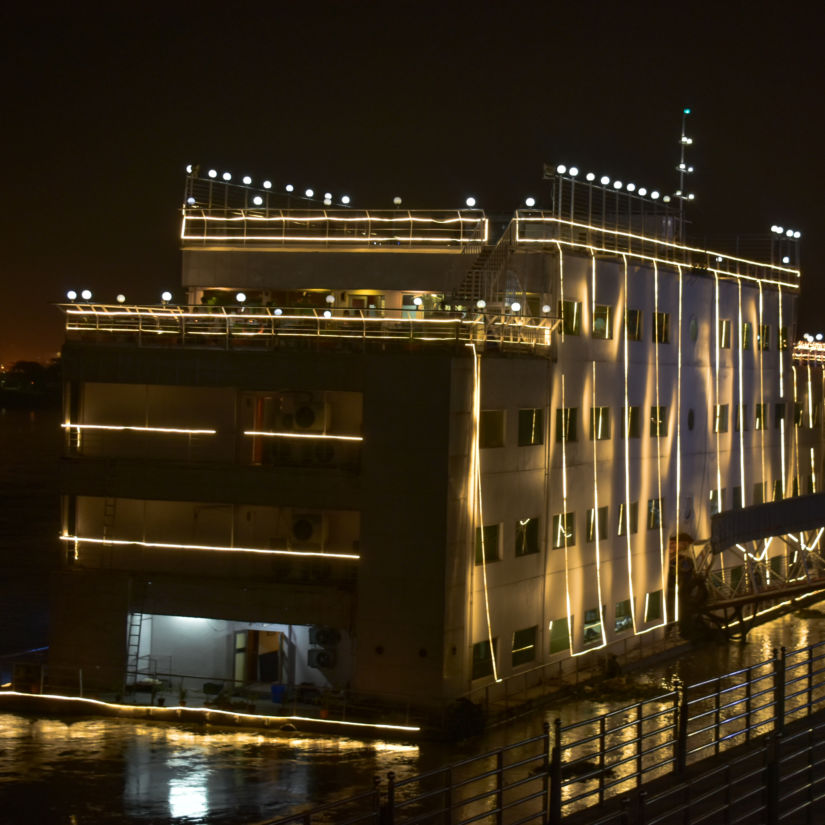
(694, 328)
(691, 419)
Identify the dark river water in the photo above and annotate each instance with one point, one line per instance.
(87, 771)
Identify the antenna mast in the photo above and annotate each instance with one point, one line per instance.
(683, 170)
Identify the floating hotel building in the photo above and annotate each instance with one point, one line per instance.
(411, 457)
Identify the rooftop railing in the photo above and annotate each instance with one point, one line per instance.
(262, 327)
(361, 229)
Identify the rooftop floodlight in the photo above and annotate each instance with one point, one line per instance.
(719, 259)
(166, 296)
(86, 295)
(690, 169)
(819, 336)
(774, 227)
(545, 308)
(327, 313)
(604, 180)
(642, 191)
(786, 260)
(573, 171)
(666, 198)
(617, 184)
(327, 195)
(257, 200)
(279, 311)
(330, 299)
(808, 337)
(71, 295)
(481, 303)
(227, 176)
(797, 234)
(309, 192)
(212, 173)
(289, 187)
(240, 297)
(530, 201)
(418, 301)
(120, 298)
(267, 184)
(590, 176)
(655, 195)
(471, 201)
(191, 201)
(397, 200)
(631, 187)
(789, 233)
(247, 180)
(515, 306)
(691, 196)
(345, 199)
(561, 168)
(682, 166)
(327, 201)
(678, 193)
(188, 168)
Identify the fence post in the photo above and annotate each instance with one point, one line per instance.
(546, 772)
(387, 815)
(639, 742)
(779, 688)
(717, 715)
(810, 679)
(748, 697)
(554, 814)
(681, 726)
(602, 744)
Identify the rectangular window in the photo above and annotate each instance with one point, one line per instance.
(717, 501)
(570, 313)
(566, 423)
(631, 418)
(592, 626)
(661, 327)
(736, 499)
(778, 565)
(564, 530)
(778, 415)
(592, 524)
(527, 536)
(724, 333)
(760, 489)
(720, 423)
(763, 342)
(483, 654)
(491, 428)
(633, 324)
(559, 635)
(747, 335)
(530, 427)
(798, 414)
(740, 420)
(599, 423)
(783, 338)
(658, 422)
(628, 518)
(777, 489)
(654, 513)
(810, 488)
(603, 322)
(760, 419)
(488, 539)
(524, 646)
(653, 606)
(795, 486)
(624, 617)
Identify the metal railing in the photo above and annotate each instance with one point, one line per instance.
(570, 768)
(263, 327)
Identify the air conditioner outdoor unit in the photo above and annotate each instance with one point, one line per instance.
(309, 530)
(319, 657)
(324, 636)
(311, 417)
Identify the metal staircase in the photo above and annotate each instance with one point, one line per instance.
(482, 279)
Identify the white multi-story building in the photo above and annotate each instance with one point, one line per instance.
(406, 456)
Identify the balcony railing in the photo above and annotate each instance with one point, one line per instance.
(263, 327)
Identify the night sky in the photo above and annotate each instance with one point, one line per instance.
(103, 109)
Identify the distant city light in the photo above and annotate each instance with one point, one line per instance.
(212, 173)
(470, 201)
(240, 297)
(86, 295)
(121, 298)
(257, 200)
(71, 295)
(530, 201)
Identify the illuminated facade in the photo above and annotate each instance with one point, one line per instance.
(401, 455)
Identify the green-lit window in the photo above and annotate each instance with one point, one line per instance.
(747, 335)
(564, 530)
(630, 422)
(633, 324)
(628, 518)
(483, 653)
(653, 606)
(602, 322)
(599, 423)
(658, 422)
(763, 342)
(524, 646)
(527, 536)
(724, 333)
(570, 313)
(661, 327)
(566, 423)
(592, 523)
(487, 543)
(761, 417)
(559, 635)
(491, 428)
(624, 616)
(530, 427)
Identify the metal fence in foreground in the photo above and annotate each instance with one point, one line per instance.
(570, 768)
